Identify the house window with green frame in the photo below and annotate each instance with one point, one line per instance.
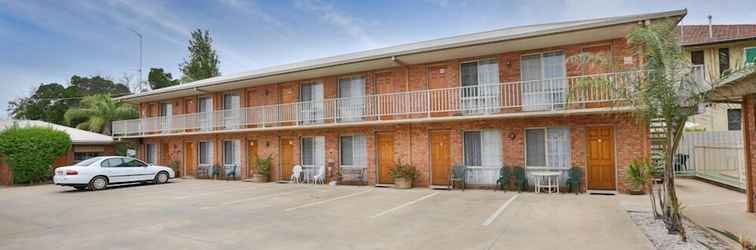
(750, 55)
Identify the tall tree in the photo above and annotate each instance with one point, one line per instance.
(97, 113)
(203, 62)
(98, 85)
(160, 79)
(48, 103)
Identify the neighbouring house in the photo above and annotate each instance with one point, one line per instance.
(740, 87)
(84, 145)
(506, 97)
(719, 50)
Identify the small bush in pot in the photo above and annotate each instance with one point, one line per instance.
(404, 175)
(639, 174)
(262, 172)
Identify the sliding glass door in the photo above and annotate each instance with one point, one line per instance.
(480, 93)
(351, 102)
(544, 84)
(311, 103)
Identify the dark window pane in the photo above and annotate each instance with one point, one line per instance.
(697, 57)
(724, 60)
(306, 93)
(733, 119)
(347, 154)
(535, 147)
(308, 154)
(472, 149)
(228, 152)
(469, 74)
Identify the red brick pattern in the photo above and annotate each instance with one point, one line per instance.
(412, 145)
(749, 136)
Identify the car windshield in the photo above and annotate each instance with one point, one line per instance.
(88, 162)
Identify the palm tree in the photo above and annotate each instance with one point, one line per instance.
(97, 112)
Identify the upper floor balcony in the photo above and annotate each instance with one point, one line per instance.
(586, 93)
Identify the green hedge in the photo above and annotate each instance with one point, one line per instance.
(31, 151)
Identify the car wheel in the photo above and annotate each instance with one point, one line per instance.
(98, 183)
(161, 178)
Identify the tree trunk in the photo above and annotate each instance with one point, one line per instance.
(672, 217)
(107, 128)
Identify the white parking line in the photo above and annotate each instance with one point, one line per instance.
(217, 191)
(328, 200)
(403, 205)
(253, 198)
(498, 211)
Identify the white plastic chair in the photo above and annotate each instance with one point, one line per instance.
(296, 173)
(320, 177)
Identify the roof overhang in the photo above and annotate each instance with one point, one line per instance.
(465, 46)
(732, 89)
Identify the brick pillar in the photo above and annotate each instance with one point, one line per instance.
(749, 137)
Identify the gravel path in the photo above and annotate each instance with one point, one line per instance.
(657, 234)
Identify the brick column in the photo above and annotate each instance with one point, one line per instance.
(749, 137)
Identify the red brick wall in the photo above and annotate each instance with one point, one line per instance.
(412, 145)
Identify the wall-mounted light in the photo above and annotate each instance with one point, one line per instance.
(512, 135)
(251, 143)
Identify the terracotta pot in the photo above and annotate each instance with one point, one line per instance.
(638, 191)
(259, 178)
(403, 183)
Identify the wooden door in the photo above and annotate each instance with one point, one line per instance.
(287, 158)
(440, 157)
(601, 173)
(251, 157)
(190, 159)
(385, 146)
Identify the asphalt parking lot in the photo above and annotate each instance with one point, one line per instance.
(203, 214)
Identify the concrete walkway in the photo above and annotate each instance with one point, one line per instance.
(713, 206)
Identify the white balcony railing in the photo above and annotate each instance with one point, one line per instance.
(541, 95)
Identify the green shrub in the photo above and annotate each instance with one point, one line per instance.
(31, 151)
(402, 170)
(263, 166)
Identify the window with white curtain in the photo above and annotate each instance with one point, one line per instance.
(152, 154)
(205, 153)
(480, 86)
(313, 154)
(311, 106)
(231, 110)
(544, 81)
(548, 147)
(483, 156)
(354, 151)
(351, 94)
(231, 157)
(205, 107)
(166, 114)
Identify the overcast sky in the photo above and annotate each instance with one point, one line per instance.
(49, 41)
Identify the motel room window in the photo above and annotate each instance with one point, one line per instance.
(733, 119)
(547, 147)
(205, 107)
(480, 89)
(351, 92)
(697, 57)
(166, 111)
(313, 155)
(483, 148)
(231, 110)
(354, 151)
(724, 61)
(311, 106)
(543, 81)
(231, 157)
(152, 154)
(205, 153)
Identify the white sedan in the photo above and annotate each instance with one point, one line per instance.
(97, 173)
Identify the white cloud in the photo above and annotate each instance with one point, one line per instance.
(344, 21)
(251, 9)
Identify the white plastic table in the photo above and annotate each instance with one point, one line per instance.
(548, 180)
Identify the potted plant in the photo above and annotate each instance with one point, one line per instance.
(175, 166)
(638, 175)
(404, 175)
(262, 172)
